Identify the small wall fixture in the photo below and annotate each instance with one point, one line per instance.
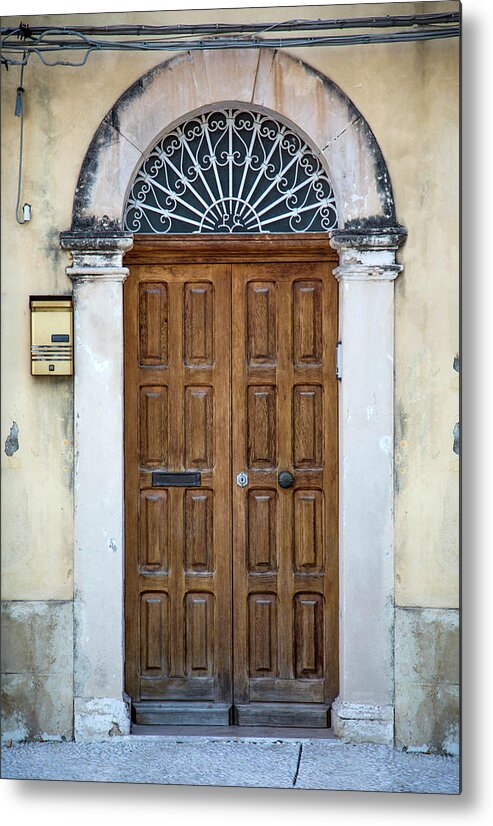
(51, 335)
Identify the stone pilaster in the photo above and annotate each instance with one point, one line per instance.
(364, 710)
(97, 273)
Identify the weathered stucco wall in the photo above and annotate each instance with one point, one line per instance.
(409, 95)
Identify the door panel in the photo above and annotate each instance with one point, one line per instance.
(178, 539)
(230, 368)
(285, 543)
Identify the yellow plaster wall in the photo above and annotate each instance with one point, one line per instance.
(409, 95)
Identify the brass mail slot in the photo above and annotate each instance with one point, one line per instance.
(183, 479)
(51, 336)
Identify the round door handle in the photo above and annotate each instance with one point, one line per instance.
(285, 479)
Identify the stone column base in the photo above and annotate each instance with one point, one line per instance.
(363, 723)
(98, 718)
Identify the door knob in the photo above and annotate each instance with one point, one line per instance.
(285, 479)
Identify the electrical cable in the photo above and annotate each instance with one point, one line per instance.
(39, 48)
(25, 32)
(41, 40)
(19, 111)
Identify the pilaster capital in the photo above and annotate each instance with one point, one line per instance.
(369, 239)
(368, 255)
(97, 256)
(349, 271)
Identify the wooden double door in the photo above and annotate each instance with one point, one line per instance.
(231, 484)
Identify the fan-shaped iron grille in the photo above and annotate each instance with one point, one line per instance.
(231, 170)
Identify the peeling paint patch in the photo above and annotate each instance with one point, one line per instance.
(12, 440)
(112, 546)
(385, 443)
(457, 438)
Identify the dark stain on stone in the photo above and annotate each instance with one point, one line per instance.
(12, 440)
(104, 136)
(384, 187)
(370, 222)
(84, 225)
(382, 179)
(114, 119)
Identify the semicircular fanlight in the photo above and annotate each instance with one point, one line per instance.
(231, 170)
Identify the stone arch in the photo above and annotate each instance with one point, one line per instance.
(266, 78)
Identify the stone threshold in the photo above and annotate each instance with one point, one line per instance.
(234, 732)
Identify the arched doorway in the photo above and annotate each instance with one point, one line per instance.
(231, 427)
(366, 239)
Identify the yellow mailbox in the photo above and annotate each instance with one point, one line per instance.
(51, 335)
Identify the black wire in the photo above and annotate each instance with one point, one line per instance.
(19, 179)
(215, 28)
(39, 47)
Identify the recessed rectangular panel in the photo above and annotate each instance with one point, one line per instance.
(153, 422)
(307, 322)
(154, 531)
(199, 634)
(261, 322)
(153, 324)
(199, 531)
(198, 324)
(262, 430)
(263, 635)
(308, 531)
(262, 530)
(308, 635)
(199, 427)
(154, 633)
(307, 426)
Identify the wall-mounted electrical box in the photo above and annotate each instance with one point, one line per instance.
(51, 335)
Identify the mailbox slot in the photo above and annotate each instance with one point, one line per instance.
(180, 479)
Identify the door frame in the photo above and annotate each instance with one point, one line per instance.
(364, 709)
(156, 250)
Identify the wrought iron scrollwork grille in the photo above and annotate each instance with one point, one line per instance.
(231, 170)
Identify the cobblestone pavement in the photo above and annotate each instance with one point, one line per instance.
(258, 762)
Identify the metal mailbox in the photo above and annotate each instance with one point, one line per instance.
(51, 336)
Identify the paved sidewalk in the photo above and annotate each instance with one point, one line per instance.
(303, 763)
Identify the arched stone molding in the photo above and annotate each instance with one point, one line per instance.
(367, 241)
(267, 78)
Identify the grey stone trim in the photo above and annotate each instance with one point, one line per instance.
(37, 669)
(427, 676)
